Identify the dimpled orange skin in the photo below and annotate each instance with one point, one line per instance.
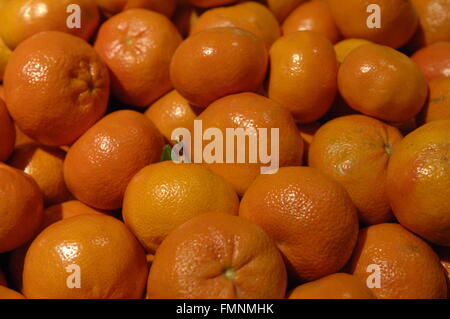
(21, 208)
(112, 263)
(7, 133)
(210, 3)
(171, 112)
(99, 166)
(217, 256)
(218, 62)
(434, 16)
(6, 293)
(310, 217)
(313, 16)
(383, 83)
(438, 105)
(67, 87)
(282, 8)
(249, 110)
(303, 74)
(250, 16)
(355, 151)
(409, 268)
(434, 60)
(23, 18)
(111, 7)
(45, 166)
(335, 286)
(52, 214)
(137, 45)
(418, 182)
(164, 195)
(399, 20)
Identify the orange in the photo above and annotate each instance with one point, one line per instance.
(67, 87)
(185, 17)
(250, 16)
(7, 133)
(418, 182)
(217, 256)
(23, 18)
(218, 62)
(111, 7)
(335, 286)
(100, 249)
(444, 255)
(3, 281)
(313, 16)
(344, 47)
(381, 82)
(45, 166)
(398, 24)
(438, 104)
(210, 3)
(434, 60)
(303, 74)
(407, 268)
(21, 207)
(307, 132)
(52, 214)
(137, 45)
(310, 217)
(355, 150)
(434, 18)
(282, 8)
(163, 196)
(249, 111)
(170, 112)
(99, 166)
(5, 54)
(6, 293)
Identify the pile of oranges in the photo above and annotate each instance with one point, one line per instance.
(92, 207)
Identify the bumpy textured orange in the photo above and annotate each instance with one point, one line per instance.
(250, 16)
(399, 20)
(355, 150)
(137, 45)
(381, 82)
(99, 166)
(111, 7)
(45, 166)
(6, 293)
(171, 112)
(112, 264)
(23, 18)
(335, 286)
(217, 256)
(434, 16)
(218, 62)
(438, 105)
(67, 87)
(7, 133)
(434, 60)
(163, 196)
(249, 110)
(303, 74)
(310, 217)
(21, 208)
(418, 182)
(313, 16)
(52, 214)
(409, 268)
